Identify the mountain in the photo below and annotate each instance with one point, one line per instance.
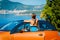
(9, 5)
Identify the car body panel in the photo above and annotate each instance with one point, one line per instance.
(41, 35)
(29, 36)
(5, 35)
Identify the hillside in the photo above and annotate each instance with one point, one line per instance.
(9, 5)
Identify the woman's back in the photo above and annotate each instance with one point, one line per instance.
(33, 22)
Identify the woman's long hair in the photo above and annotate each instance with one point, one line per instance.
(33, 16)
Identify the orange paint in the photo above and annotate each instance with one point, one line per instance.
(51, 35)
(41, 35)
(29, 36)
(4, 35)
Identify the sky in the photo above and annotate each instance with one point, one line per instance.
(31, 2)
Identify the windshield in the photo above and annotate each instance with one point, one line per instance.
(17, 26)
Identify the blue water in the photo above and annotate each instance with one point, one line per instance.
(6, 18)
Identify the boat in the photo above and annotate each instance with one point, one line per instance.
(12, 31)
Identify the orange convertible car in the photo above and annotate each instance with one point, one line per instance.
(12, 31)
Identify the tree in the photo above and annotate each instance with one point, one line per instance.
(52, 12)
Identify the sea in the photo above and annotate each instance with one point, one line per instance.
(7, 17)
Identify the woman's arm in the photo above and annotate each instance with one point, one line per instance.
(26, 20)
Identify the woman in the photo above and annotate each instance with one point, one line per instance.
(33, 23)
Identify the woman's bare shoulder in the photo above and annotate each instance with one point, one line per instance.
(37, 19)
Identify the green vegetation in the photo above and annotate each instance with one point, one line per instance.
(51, 12)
